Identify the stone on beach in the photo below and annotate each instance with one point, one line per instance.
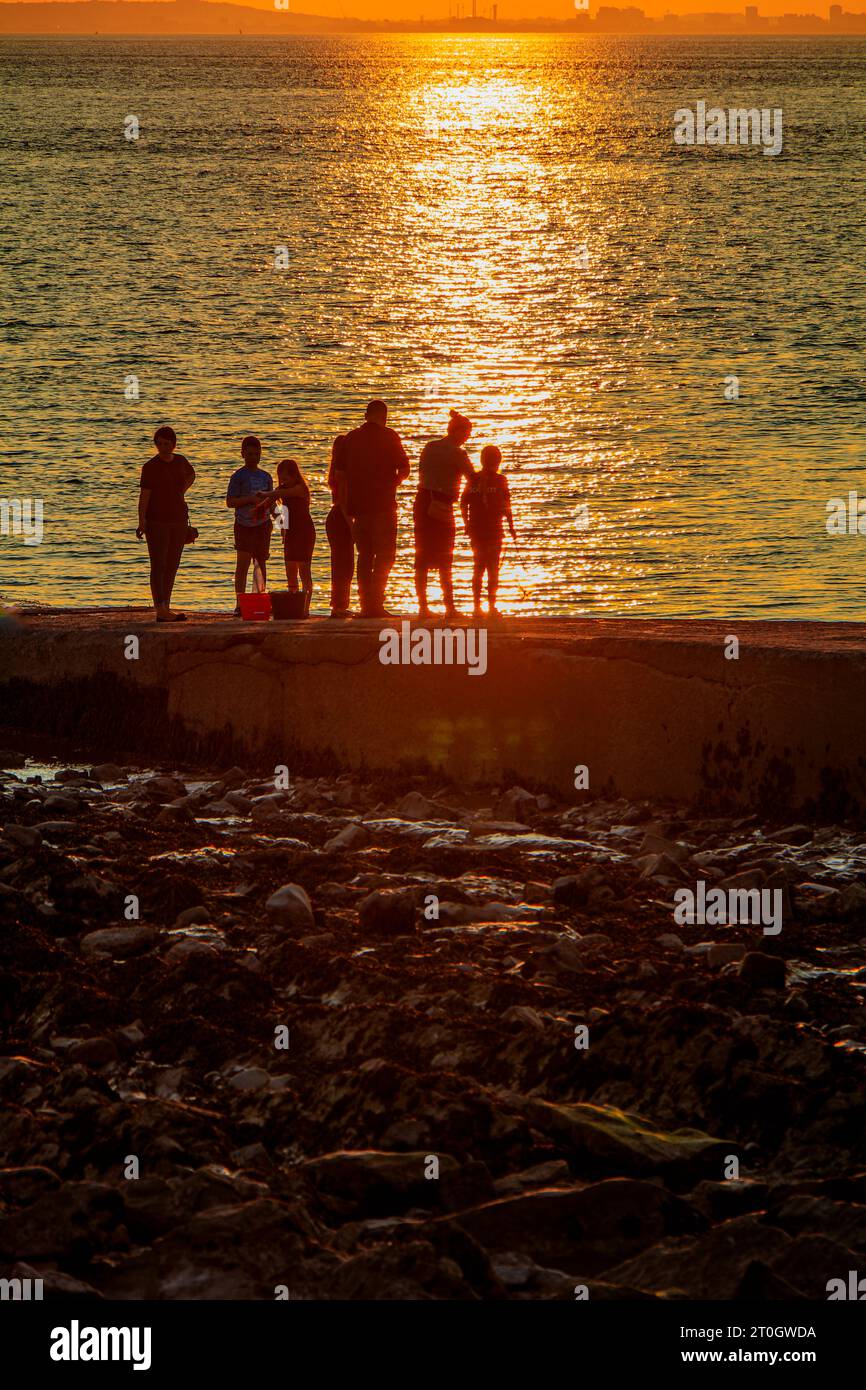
(119, 942)
(620, 1143)
(389, 911)
(291, 907)
(352, 836)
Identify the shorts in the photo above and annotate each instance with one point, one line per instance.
(486, 547)
(254, 540)
(434, 538)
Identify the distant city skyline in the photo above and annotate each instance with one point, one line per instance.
(292, 16)
(772, 15)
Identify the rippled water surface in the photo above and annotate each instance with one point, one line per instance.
(435, 195)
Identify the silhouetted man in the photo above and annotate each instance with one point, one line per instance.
(370, 463)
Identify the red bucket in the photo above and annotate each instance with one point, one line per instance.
(255, 608)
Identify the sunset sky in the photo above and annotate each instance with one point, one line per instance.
(510, 9)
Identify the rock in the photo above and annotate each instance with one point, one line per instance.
(193, 916)
(723, 952)
(235, 777)
(792, 835)
(844, 1222)
(516, 804)
(56, 829)
(658, 845)
(352, 836)
(11, 760)
(660, 866)
(54, 1284)
(760, 1284)
(817, 902)
(388, 912)
(291, 908)
(26, 837)
(747, 878)
(852, 903)
(477, 828)
(719, 1201)
(74, 1221)
(582, 1231)
(174, 815)
(585, 889)
(670, 941)
(93, 1052)
(267, 807)
(193, 946)
(709, 1267)
(375, 1183)
(62, 805)
(119, 943)
(555, 1173)
(416, 807)
(238, 1250)
(106, 772)
(761, 971)
(250, 1079)
(616, 1142)
(161, 788)
(21, 1186)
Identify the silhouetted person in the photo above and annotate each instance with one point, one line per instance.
(443, 463)
(299, 533)
(339, 532)
(252, 526)
(163, 518)
(370, 465)
(485, 503)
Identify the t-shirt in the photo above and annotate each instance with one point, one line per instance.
(487, 500)
(375, 463)
(165, 482)
(246, 482)
(443, 463)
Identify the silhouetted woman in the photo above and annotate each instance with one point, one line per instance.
(163, 519)
(443, 463)
(299, 535)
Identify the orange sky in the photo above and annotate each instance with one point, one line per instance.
(508, 9)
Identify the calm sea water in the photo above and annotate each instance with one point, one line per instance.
(501, 224)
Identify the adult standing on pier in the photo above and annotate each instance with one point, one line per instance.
(444, 462)
(369, 465)
(163, 519)
(339, 532)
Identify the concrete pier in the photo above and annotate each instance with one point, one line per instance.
(652, 709)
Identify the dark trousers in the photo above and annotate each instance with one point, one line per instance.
(375, 536)
(165, 541)
(339, 534)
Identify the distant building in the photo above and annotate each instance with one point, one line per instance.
(835, 11)
(751, 12)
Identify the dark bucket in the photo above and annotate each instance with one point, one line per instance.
(285, 604)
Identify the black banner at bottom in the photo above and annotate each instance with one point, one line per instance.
(223, 1341)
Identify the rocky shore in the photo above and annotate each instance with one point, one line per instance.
(351, 1039)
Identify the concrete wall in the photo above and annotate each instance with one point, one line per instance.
(654, 709)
